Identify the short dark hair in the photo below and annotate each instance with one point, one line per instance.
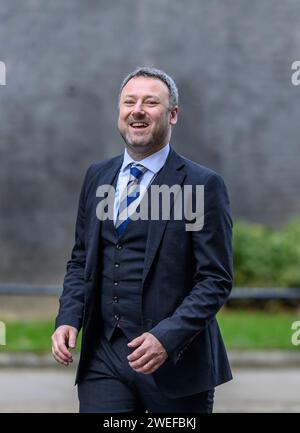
(146, 71)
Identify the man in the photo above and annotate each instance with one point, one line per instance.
(146, 291)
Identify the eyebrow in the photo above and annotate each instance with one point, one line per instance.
(134, 96)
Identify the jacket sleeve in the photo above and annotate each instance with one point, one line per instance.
(212, 247)
(72, 298)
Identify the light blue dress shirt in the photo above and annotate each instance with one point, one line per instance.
(153, 163)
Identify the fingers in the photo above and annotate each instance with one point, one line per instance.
(59, 355)
(140, 361)
(149, 367)
(137, 354)
(63, 337)
(147, 358)
(137, 341)
(62, 342)
(72, 338)
(58, 358)
(147, 363)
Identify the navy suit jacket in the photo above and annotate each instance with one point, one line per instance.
(187, 277)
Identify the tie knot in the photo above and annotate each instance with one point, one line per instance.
(137, 170)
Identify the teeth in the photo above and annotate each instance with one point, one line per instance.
(139, 124)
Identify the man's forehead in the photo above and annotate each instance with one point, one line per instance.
(149, 85)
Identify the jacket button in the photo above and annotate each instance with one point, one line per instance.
(119, 246)
(115, 299)
(117, 265)
(116, 283)
(117, 317)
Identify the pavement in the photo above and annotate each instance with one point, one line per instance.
(260, 390)
(52, 390)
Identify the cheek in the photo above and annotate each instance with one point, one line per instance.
(121, 121)
(161, 122)
(123, 114)
(161, 118)
(157, 120)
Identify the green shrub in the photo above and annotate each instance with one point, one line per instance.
(265, 257)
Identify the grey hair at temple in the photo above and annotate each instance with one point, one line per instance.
(145, 71)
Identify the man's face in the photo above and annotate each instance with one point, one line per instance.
(144, 116)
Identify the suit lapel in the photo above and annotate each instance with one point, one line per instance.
(105, 176)
(171, 174)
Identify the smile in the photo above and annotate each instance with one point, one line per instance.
(139, 125)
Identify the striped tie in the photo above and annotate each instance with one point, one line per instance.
(130, 194)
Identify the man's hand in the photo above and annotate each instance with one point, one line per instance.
(149, 355)
(64, 337)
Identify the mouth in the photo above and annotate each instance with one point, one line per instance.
(139, 125)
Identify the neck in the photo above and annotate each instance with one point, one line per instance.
(138, 156)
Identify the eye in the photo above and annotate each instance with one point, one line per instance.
(128, 102)
(151, 102)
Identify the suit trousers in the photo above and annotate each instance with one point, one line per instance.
(110, 385)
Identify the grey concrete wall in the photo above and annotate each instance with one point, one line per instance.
(65, 60)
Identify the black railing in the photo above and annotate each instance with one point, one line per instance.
(29, 289)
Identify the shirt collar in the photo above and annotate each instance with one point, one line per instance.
(152, 162)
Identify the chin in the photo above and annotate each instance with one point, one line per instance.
(138, 144)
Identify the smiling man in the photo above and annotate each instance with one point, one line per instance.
(146, 292)
(146, 115)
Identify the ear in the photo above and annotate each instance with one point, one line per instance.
(174, 115)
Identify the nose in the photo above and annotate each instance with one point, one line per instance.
(138, 109)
